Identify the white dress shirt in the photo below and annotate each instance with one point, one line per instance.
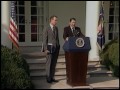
(51, 26)
(72, 28)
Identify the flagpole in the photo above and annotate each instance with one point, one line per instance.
(101, 38)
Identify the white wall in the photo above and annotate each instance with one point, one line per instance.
(5, 12)
(65, 10)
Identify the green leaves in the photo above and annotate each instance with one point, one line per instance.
(14, 70)
(110, 56)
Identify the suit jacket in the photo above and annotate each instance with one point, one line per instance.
(50, 38)
(68, 32)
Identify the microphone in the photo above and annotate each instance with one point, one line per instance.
(76, 33)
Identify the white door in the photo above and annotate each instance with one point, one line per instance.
(31, 18)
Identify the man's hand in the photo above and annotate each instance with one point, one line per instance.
(47, 52)
(67, 39)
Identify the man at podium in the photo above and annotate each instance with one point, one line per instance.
(72, 30)
(76, 54)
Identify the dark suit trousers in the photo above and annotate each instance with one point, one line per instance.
(51, 63)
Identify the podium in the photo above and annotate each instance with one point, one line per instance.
(76, 58)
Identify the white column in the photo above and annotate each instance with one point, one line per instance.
(92, 15)
(5, 11)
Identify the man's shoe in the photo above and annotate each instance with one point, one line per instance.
(49, 81)
(53, 80)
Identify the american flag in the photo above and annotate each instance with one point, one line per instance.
(100, 30)
(13, 32)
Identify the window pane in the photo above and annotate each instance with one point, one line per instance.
(21, 2)
(42, 26)
(33, 10)
(117, 3)
(116, 27)
(40, 29)
(116, 11)
(116, 35)
(16, 10)
(116, 19)
(111, 12)
(40, 20)
(112, 3)
(21, 37)
(110, 27)
(16, 3)
(17, 18)
(110, 36)
(33, 19)
(33, 28)
(21, 10)
(40, 37)
(21, 19)
(33, 3)
(21, 28)
(111, 19)
(33, 37)
(40, 11)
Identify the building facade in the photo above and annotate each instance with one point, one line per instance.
(33, 16)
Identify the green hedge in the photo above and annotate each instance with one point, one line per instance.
(110, 56)
(14, 70)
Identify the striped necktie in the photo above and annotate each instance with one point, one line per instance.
(74, 33)
(54, 30)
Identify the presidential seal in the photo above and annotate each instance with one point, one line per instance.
(80, 42)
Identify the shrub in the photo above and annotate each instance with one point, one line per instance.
(110, 56)
(114, 58)
(14, 70)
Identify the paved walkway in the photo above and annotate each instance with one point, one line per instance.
(93, 83)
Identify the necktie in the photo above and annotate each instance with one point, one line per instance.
(55, 36)
(54, 30)
(74, 33)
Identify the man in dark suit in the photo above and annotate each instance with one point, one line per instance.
(72, 30)
(51, 47)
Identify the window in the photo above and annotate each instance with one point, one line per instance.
(37, 20)
(113, 20)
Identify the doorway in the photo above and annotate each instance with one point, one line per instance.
(31, 18)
